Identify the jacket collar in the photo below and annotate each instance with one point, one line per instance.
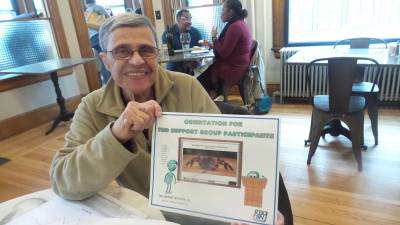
(111, 102)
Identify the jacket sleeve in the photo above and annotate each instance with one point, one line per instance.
(90, 159)
(231, 38)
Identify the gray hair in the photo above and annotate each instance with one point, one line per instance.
(123, 20)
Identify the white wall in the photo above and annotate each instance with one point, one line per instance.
(159, 23)
(260, 21)
(31, 97)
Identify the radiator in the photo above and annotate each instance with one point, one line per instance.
(293, 79)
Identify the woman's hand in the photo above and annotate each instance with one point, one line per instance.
(134, 119)
(280, 220)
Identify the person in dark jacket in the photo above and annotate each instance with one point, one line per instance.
(232, 49)
(183, 25)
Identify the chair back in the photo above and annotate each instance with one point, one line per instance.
(361, 42)
(341, 71)
(253, 49)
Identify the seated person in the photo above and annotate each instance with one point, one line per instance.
(183, 25)
(109, 137)
(232, 50)
(92, 7)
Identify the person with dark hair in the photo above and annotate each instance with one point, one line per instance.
(232, 49)
(183, 25)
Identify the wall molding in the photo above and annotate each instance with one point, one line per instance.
(25, 121)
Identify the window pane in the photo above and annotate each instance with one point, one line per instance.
(6, 10)
(39, 7)
(204, 18)
(328, 21)
(117, 6)
(200, 2)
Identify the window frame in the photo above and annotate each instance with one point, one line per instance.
(315, 43)
(20, 80)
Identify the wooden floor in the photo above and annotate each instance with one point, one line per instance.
(329, 191)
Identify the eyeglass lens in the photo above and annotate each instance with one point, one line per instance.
(125, 52)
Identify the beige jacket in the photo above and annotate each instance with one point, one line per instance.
(91, 157)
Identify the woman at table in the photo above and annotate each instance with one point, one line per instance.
(109, 138)
(232, 49)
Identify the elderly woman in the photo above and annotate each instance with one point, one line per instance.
(232, 49)
(109, 138)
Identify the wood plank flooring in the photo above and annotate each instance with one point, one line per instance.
(329, 191)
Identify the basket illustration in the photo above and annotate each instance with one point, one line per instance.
(254, 190)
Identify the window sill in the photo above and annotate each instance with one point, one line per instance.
(19, 80)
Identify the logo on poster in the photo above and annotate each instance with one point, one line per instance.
(260, 215)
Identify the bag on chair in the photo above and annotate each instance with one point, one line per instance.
(94, 20)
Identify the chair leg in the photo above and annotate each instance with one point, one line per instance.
(372, 107)
(356, 129)
(318, 122)
(225, 92)
(308, 140)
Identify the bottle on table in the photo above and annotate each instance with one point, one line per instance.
(169, 38)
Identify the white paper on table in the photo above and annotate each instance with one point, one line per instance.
(94, 210)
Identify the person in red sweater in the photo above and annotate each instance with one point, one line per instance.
(232, 50)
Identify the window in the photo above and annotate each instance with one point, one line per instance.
(205, 15)
(6, 11)
(39, 7)
(321, 21)
(116, 7)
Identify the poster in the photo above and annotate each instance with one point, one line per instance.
(221, 167)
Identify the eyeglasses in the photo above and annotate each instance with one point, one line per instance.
(145, 51)
(186, 18)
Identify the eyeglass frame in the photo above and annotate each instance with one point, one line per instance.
(186, 18)
(157, 51)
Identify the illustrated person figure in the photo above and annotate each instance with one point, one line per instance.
(232, 49)
(170, 176)
(183, 25)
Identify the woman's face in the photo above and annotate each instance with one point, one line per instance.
(226, 14)
(137, 74)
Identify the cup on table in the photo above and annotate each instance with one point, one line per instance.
(164, 51)
(185, 42)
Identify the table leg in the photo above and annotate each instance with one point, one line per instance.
(64, 114)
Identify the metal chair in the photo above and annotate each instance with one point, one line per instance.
(363, 88)
(361, 42)
(339, 104)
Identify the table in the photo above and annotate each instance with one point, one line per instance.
(9, 210)
(305, 56)
(205, 59)
(51, 67)
(180, 57)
